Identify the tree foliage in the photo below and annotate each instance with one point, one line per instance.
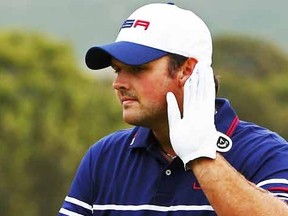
(51, 111)
(249, 56)
(254, 76)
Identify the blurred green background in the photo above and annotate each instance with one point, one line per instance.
(52, 108)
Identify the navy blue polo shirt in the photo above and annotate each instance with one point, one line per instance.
(126, 174)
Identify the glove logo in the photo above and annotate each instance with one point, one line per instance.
(224, 144)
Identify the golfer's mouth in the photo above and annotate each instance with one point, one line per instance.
(127, 100)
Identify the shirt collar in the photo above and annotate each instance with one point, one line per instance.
(226, 119)
(142, 138)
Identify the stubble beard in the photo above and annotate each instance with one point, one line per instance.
(145, 117)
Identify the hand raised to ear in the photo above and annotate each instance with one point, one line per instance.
(194, 135)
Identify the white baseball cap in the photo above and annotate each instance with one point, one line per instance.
(153, 31)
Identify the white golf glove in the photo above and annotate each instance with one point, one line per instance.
(194, 135)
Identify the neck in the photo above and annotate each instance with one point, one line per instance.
(162, 136)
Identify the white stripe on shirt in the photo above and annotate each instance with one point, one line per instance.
(69, 213)
(281, 195)
(153, 207)
(133, 207)
(273, 181)
(78, 202)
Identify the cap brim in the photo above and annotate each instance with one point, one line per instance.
(126, 52)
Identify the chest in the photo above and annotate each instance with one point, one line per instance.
(146, 185)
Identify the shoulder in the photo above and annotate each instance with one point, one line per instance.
(110, 148)
(258, 153)
(116, 140)
(249, 132)
(260, 141)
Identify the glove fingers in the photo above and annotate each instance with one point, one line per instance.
(206, 89)
(210, 88)
(190, 91)
(172, 109)
(203, 82)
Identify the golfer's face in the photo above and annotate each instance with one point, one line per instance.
(142, 91)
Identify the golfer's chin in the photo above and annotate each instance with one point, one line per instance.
(132, 117)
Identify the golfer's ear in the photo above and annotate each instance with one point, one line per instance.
(187, 69)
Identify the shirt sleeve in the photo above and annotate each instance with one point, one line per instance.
(262, 157)
(275, 170)
(272, 170)
(277, 187)
(79, 199)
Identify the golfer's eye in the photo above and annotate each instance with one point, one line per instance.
(116, 69)
(137, 69)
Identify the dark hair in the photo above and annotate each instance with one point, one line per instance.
(176, 61)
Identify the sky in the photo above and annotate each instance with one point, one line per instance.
(85, 23)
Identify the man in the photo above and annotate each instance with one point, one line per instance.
(176, 160)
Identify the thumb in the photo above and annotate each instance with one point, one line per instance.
(172, 109)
